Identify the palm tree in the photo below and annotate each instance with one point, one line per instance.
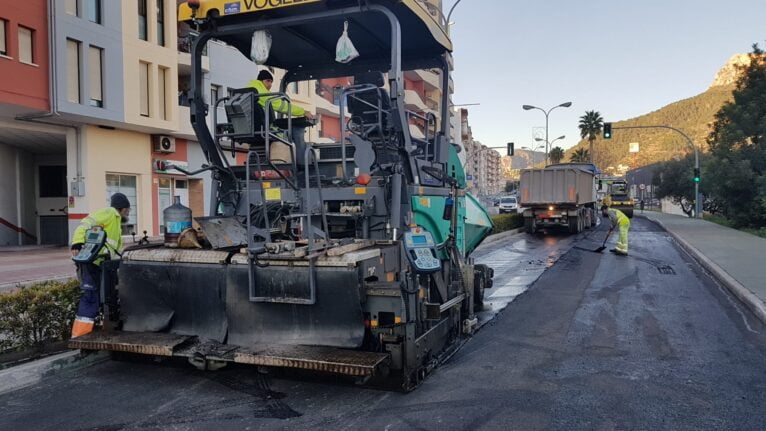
(580, 155)
(590, 126)
(556, 155)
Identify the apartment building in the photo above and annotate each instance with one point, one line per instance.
(482, 165)
(32, 181)
(95, 114)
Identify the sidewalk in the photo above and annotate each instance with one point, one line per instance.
(20, 265)
(735, 258)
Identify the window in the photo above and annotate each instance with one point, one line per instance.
(95, 75)
(26, 45)
(127, 185)
(142, 23)
(143, 88)
(161, 22)
(215, 91)
(73, 70)
(294, 87)
(70, 6)
(3, 43)
(162, 90)
(93, 9)
(52, 181)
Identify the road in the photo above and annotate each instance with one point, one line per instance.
(590, 341)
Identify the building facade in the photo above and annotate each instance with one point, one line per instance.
(482, 164)
(32, 180)
(97, 112)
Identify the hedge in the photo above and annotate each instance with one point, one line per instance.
(504, 222)
(37, 314)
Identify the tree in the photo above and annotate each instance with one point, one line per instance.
(673, 180)
(590, 126)
(737, 171)
(580, 155)
(556, 155)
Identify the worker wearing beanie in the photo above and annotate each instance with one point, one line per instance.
(110, 219)
(263, 85)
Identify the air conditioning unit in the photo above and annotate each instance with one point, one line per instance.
(164, 144)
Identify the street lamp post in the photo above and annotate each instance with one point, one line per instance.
(547, 113)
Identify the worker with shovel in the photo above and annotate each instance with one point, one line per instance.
(622, 222)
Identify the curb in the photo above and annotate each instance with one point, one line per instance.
(28, 374)
(745, 296)
(8, 287)
(500, 236)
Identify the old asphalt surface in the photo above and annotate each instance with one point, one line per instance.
(597, 342)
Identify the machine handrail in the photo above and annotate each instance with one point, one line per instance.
(351, 91)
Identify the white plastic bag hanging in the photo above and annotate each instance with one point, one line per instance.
(345, 50)
(261, 46)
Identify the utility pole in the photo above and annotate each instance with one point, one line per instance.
(697, 177)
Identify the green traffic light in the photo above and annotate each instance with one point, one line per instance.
(607, 130)
(696, 179)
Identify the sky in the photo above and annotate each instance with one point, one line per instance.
(623, 58)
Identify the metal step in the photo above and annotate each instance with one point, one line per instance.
(145, 343)
(314, 358)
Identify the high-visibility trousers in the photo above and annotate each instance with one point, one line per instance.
(90, 292)
(622, 239)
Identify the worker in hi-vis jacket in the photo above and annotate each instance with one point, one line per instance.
(263, 85)
(110, 219)
(621, 222)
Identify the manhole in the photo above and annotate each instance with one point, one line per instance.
(667, 270)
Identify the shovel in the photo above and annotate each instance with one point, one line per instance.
(603, 246)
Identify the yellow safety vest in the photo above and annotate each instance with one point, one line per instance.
(109, 219)
(278, 105)
(617, 217)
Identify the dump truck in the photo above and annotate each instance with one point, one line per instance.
(352, 259)
(561, 195)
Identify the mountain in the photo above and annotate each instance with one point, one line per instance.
(693, 116)
(521, 159)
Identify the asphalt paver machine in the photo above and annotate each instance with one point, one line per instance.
(350, 258)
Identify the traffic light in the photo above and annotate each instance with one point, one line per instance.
(607, 130)
(696, 175)
(510, 148)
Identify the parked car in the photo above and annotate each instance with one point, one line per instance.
(508, 204)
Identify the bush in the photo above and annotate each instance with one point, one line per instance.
(504, 222)
(38, 314)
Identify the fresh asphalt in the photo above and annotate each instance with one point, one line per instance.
(597, 341)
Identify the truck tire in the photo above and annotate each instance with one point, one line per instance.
(593, 217)
(628, 212)
(529, 225)
(574, 224)
(482, 280)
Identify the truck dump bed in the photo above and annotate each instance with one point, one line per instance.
(557, 186)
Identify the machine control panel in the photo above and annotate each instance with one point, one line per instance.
(95, 239)
(421, 250)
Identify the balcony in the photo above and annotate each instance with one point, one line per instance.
(184, 57)
(415, 132)
(429, 78)
(324, 106)
(185, 130)
(414, 102)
